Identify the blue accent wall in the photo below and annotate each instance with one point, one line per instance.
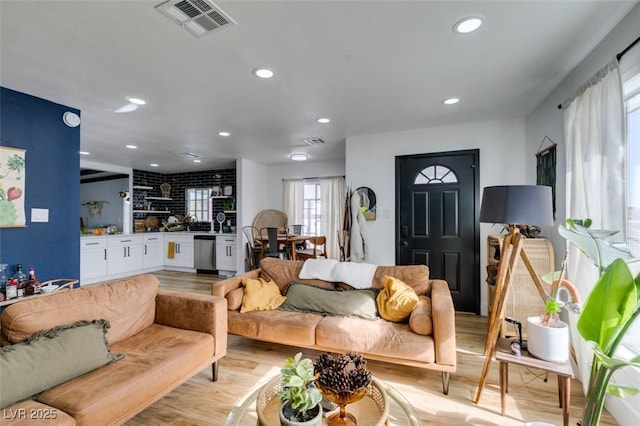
(52, 182)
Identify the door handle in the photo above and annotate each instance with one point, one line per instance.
(403, 244)
(105, 254)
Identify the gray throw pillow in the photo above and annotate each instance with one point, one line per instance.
(50, 357)
(347, 303)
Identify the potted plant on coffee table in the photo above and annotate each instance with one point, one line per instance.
(300, 398)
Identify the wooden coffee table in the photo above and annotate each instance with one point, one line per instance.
(383, 406)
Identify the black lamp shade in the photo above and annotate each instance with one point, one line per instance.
(517, 205)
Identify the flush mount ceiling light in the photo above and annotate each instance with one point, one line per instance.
(451, 101)
(225, 134)
(84, 153)
(137, 101)
(299, 156)
(197, 161)
(131, 146)
(467, 25)
(323, 120)
(263, 72)
(153, 165)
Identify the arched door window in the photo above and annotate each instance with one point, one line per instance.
(435, 174)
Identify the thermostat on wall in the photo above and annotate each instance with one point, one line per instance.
(71, 119)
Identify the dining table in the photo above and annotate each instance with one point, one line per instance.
(289, 240)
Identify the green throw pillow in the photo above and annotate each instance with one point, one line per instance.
(50, 357)
(347, 303)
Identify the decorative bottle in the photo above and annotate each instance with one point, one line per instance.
(21, 280)
(12, 288)
(33, 286)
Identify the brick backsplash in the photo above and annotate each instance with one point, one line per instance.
(179, 183)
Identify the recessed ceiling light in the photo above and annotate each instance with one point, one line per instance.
(153, 164)
(263, 72)
(323, 120)
(467, 25)
(197, 161)
(451, 101)
(132, 147)
(225, 134)
(137, 101)
(299, 156)
(84, 153)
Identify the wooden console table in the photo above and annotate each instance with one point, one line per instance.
(562, 370)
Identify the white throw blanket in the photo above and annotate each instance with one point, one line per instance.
(357, 275)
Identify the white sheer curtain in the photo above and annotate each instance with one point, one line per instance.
(332, 196)
(293, 200)
(594, 135)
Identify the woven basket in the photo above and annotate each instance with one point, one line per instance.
(373, 409)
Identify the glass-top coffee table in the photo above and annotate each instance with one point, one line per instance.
(400, 411)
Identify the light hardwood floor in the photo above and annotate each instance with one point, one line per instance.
(200, 401)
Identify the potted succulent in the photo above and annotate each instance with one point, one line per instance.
(611, 307)
(300, 398)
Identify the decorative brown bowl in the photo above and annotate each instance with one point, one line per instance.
(342, 398)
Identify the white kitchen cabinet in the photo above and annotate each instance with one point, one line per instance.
(124, 254)
(183, 253)
(152, 255)
(226, 254)
(93, 259)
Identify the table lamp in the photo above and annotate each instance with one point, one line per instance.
(511, 205)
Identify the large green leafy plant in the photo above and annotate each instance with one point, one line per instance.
(298, 389)
(611, 307)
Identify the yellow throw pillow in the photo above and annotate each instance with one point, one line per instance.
(396, 300)
(260, 295)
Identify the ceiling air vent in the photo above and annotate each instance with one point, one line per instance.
(313, 141)
(199, 17)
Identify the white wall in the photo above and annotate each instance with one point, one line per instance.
(546, 119)
(251, 197)
(502, 154)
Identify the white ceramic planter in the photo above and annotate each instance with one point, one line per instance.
(316, 421)
(548, 343)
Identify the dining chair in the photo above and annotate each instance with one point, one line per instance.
(319, 249)
(270, 234)
(255, 247)
(298, 230)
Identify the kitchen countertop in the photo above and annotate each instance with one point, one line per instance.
(161, 233)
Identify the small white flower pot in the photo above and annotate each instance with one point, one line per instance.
(548, 343)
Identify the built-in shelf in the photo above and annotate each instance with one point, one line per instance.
(159, 198)
(228, 211)
(151, 211)
(142, 187)
(221, 196)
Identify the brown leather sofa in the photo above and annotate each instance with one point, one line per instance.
(167, 337)
(378, 339)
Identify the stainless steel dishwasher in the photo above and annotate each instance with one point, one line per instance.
(205, 253)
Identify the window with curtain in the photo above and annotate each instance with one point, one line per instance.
(311, 213)
(630, 70)
(319, 205)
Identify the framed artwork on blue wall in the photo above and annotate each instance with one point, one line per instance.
(12, 178)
